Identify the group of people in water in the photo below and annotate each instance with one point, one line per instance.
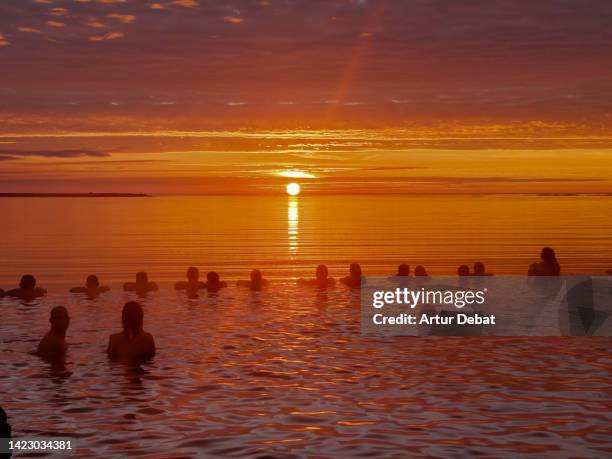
(132, 344)
(135, 344)
(28, 290)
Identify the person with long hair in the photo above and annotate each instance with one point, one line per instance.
(549, 266)
(132, 343)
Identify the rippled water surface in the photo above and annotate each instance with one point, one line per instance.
(286, 373)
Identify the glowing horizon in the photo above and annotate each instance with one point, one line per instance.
(359, 97)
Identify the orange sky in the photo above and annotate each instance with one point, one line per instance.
(357, 96)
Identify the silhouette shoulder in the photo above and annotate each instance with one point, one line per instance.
(180, 285)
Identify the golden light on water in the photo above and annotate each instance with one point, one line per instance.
(293, 224)
(293, 189)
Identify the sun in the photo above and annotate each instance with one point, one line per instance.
(293, 189)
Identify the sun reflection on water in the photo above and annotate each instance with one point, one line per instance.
(292, 224)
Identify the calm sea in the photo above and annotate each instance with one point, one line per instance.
(63, 240)
(286, 373)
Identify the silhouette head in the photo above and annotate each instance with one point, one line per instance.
(256, 276)
(479, 268)
(193, 274)
(548, 254)
(132, 317)
(463, 270)
(92, 281)
(403, 270)
(355, 270)
(322, 272)
(212, 277)
(420, 271)
(59, 319)
(27, 282)
(142, 277)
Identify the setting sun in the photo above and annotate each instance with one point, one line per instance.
(293, 189)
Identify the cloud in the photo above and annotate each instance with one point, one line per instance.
(236, 104)
(93, 22)
(58, 11)
(55, 24)
(4, 41)
(28, 30)
(106, 2)
(186, 3)
(125, 18)
(107, 36)
(157, 6)
(233, 19)
(9, 154)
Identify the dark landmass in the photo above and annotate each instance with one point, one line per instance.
(74, 195)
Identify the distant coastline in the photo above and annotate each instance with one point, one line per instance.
(74, 195)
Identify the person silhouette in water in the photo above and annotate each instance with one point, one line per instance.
(213, 282)
(257, 282)
(133, 344)
(92, 287)
(53, 345)
(420, 271)
(463, 270)
(549, 266)
(142, 285)
(353, 280)
(480, 270)
(321, 280)
(5, 430)
(1, 293)
(403, 270)
(27, 289)
(193, 283)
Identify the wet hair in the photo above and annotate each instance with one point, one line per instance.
(193, 273)
(322, 272)
(355, 269)
(256, 275)
(479, 268)
(403, 270)
(132, 317)
(92, 280)
(58, 312)
(212, 277)
(27, 282)
(420, 271)
(142, 277)
(548, 254)
(3, 416)
(59, 318)
(463, 270)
